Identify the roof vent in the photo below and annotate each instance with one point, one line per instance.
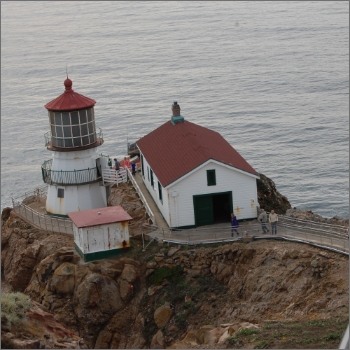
(176, 117)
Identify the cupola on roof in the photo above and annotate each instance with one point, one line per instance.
(70, 100)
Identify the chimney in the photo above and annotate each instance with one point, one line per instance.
(176, 118)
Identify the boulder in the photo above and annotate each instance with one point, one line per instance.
(129, 273)
(63, 279)
(96, 299)
(158, 341)
(172, 251)
(162, 315)
(192, 338)
(126, 290)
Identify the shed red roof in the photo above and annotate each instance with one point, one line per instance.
(91, 217)
(69, 100)
(174, 150)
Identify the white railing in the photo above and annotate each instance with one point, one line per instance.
(143, 199)
(41, 221)
(222, 233)
(321, 226)
(110, 176)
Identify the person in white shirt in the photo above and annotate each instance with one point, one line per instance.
(273, 218)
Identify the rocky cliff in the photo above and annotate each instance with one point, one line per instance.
(176, 297)
(269, 198)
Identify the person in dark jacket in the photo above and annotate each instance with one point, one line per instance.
(116, 164)
(133, 168)
(234, 225)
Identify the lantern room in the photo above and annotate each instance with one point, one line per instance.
(72, 122)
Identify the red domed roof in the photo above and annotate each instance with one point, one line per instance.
(69, 100)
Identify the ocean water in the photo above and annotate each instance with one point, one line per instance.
(271, 77)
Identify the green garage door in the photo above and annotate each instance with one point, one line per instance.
(203, 210)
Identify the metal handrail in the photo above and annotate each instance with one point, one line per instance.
(143, 199)
(207, 235)
(310, 223)
(75, 177)
(41, 221)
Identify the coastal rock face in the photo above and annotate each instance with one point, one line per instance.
(41, 331)
(269, 198)
(109, 303)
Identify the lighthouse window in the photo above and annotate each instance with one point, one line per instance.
(58, 119)
(59, 142)
(82, 117)
(86, 140)
(52, 117)
(53, 130)
(59, 131)
(76, 130)
(67, 131)
(75, 118)
(91, 128)
(60, 192)
(89, 113)
(77, 142)
(84, 129)
(65, 118)
(68, 143)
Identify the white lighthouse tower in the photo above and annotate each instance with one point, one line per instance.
(74, 173)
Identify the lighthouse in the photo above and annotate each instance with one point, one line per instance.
(74, 173)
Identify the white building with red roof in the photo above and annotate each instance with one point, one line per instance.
(195, 176)
(100, 233)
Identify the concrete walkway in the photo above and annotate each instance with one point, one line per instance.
(160, 222)
(222, 232)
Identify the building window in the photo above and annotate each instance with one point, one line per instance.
(60, 192)
(148, 173)
(211, 177)
(160, 192)
(152, 182)
(142, 167)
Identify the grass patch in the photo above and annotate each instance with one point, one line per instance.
(233, 342)
(332, 336)
(264, 344)
(247, 331)
(14, 306)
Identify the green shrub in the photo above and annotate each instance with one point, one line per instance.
(332, 336)
(14, 306)
(181, 321)
(247, 331)
(159, 275)
(233, 342)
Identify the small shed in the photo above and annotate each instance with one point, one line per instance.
(100, 233)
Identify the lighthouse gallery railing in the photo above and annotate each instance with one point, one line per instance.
(69, 178)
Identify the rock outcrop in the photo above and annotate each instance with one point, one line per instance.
(269, 198)
(39, 330)
(110, 303)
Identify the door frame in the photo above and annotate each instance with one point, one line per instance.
(210, 194)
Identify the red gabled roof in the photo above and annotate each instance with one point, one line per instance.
(174, 150)
(70, 100)
(91, 217)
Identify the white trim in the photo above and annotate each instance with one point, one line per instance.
(205, 163)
